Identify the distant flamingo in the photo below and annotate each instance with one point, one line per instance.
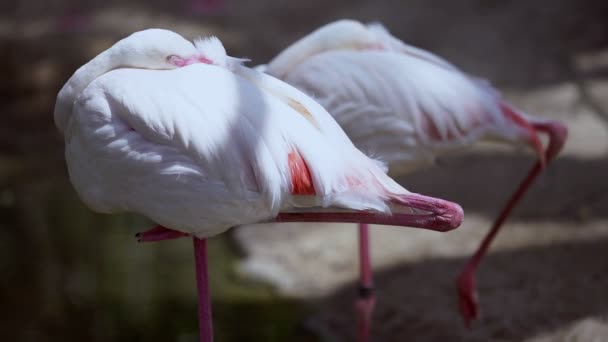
(406, 106)
(187, 136)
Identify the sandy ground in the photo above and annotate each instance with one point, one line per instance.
(547, 276)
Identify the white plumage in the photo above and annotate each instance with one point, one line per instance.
(187, 136)
(204, 145)
(407, 106)
(394, 101)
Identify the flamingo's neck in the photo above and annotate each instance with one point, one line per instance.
(557, 132)
(98, 66)
(523, 124)
(293, 55)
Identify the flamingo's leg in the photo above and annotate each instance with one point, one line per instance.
(202, 285)
(159, 233)
(366, 298)
(467, 293)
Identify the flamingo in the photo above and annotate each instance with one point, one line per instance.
(187, 136)
(407, 106)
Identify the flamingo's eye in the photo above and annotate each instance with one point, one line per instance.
(175, 60)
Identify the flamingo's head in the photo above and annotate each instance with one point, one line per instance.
(157, 49)
(212, 50)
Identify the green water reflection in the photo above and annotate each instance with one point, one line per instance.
(69, 274)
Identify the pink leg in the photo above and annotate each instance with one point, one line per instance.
(442, 216)
(466, 280)
(202, 285)
(159, 233)
(367, 300)
(467, 293)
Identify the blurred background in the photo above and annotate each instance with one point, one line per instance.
(68, 274)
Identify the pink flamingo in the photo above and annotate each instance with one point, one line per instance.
(406, 106)
(187, 136)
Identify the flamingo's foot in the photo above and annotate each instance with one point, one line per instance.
(467, 297)
(159, 233)
(365, 307)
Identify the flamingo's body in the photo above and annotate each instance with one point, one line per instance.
(394, 100)
(190, 138)
(215, 155)
(405, 106)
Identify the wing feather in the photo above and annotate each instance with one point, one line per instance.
(178, 145)
(399, 107)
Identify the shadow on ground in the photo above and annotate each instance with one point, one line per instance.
(524, 293)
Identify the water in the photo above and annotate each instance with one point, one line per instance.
(69, 274)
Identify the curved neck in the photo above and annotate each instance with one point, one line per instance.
(294, 55)
(342, 34)
(98, 66)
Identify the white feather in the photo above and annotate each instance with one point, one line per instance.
(398, 101)
(213, 49)
(205, 147)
